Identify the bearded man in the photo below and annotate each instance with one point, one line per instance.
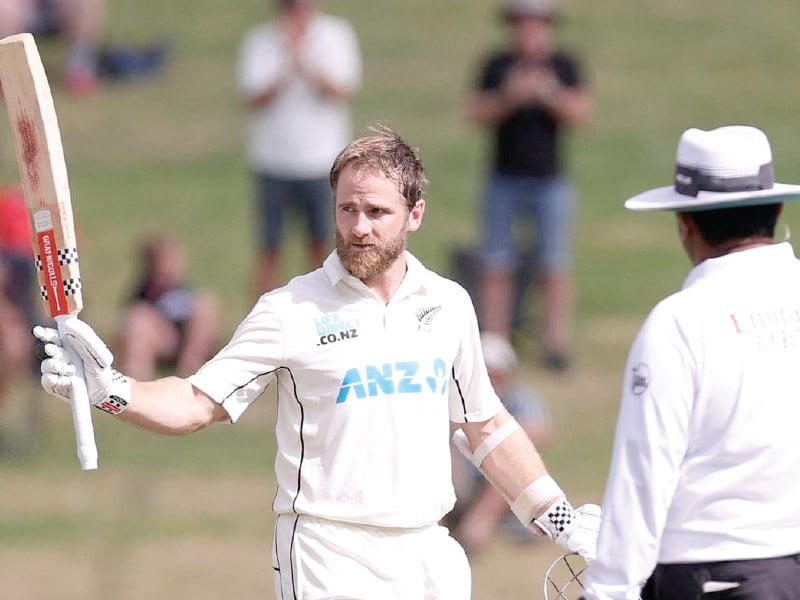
(373, 357)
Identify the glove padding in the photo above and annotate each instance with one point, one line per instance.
(57, 371)
(574, 529)
(107, 388)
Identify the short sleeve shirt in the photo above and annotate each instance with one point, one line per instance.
(366, 391)
(527, 142)
(300, 132)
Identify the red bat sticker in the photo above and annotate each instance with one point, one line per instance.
(50, 264)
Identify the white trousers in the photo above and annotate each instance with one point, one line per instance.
(317, 559)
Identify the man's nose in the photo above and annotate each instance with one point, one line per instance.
(361, 225)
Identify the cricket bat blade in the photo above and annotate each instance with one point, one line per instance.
(43, 176)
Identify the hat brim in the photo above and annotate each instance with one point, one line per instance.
(666, 198)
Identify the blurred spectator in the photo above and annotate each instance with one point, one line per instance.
(16, 345)
(17, 305)
(167, 323)
(16, 251)
(15, 339)
(83, 24)
(81, 21)
(480, 508)
(297, 75)
(526, 95)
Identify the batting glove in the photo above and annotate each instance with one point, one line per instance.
(108, 389)
(574, 529)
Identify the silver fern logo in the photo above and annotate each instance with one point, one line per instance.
(425, 315)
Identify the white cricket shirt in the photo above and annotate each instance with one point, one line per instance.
(299, 133)
(366, 391)
(706, 459)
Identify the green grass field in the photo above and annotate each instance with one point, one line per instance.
(169, 518)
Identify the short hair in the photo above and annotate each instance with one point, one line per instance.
(387, 153)
(724, 224)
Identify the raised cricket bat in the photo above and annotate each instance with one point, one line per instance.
(43, 174)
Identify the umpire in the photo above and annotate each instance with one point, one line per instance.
(703, 496)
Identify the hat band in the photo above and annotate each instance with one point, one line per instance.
(689, 181)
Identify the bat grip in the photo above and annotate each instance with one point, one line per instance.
(79, 401)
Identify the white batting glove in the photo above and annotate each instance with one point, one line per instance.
(574, 529)
(108, 389)
(57, 371)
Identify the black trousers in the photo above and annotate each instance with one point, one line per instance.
(764, 579)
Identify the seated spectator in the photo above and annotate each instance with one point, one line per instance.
(83, 25)
(480, 508)
(82, 22)
(167, 324)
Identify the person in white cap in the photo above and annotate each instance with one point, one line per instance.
(703, 495)
(527, 97)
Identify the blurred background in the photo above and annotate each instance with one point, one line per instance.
(190, 518)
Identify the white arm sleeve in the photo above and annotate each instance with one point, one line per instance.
(649, 446)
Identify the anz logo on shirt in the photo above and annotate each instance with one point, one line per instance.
(395, 378)
(332, 328)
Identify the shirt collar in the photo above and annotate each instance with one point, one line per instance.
(756, 257)
(413, 282)
(334, 268)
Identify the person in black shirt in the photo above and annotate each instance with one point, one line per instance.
(526, 96)
(167, 323)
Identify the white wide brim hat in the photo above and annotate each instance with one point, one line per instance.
(721, 168)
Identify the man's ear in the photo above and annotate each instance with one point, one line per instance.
(415, 215)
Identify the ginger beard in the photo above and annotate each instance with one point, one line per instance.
(365, 264)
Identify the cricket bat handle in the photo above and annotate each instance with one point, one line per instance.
(81, 409)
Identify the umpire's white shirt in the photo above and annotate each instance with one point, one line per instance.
(706, 459)
(366, 391)
(300, 132)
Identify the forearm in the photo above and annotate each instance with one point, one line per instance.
(327, 87)
(170, 406)
(488, 109)
(265, 96)
(323, 84)
(509, 460)
(571, 106)
(513, 464)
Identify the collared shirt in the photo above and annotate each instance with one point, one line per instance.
(366, 391)
(706, 455)
(298, 133)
